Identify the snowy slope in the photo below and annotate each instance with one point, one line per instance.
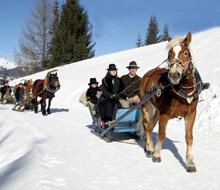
(59, 152)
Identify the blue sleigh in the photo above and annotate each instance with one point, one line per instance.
(126, 124)
(125, 119)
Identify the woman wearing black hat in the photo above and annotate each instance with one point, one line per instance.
(111, 86)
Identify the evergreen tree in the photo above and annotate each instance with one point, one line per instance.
(53, 31)
(139, 42)
(72, 41)
(165, 33)
(152, 32)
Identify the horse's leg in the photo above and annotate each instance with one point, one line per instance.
(189, 122)
(35, 105)
(43, 105)
(49, 103)
(163, 120)
(148, 127)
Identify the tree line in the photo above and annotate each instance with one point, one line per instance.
(55, 35)
(152, 35)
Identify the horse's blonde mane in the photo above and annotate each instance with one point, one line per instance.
(177, 41)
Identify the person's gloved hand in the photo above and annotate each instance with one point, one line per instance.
(123, 96)
(114, 97)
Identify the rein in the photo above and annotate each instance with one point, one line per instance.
(137, 81)
(129, 87)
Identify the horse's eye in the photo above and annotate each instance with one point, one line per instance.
(185, 53)
(169, 56)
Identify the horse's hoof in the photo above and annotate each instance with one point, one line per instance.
(149, 153)
(191, 169)
(156, 159)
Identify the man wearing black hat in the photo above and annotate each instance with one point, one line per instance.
(131, 83)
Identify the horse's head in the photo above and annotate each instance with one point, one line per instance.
(179, 58)
(54, 80)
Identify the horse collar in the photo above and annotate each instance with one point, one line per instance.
(47, 86)
(176, 89)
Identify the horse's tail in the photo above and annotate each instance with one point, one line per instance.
(140, 127)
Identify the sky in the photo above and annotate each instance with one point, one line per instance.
(116, 23)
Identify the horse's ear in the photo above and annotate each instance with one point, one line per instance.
(169, 39)
(188, 39)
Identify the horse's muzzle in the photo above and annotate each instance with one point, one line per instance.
(174, 77)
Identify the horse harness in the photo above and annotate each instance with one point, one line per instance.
(46, 87)
(198, 87)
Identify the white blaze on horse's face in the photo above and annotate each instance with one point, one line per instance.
(175, 69)
(179, 58)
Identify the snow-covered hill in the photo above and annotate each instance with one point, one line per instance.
(59, 152)
(4, 63)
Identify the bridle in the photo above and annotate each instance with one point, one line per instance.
(177, 61)
(50, 87)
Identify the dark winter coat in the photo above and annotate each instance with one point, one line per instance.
(108, 102)
(4, 89)
(19, 94)
(91, 95)
(134, 82)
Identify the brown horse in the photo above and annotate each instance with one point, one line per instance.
(180, 99)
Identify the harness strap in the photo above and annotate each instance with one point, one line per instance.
(36, 88)
(176, 89)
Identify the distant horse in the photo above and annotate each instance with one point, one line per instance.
(45, 89)
(180, 99)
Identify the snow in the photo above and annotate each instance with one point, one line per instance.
(4, 63)
(59, 152)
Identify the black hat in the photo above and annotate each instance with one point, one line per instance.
(132, 64)
(112, 67)
(93, 81)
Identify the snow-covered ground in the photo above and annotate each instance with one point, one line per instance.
(59, 152)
